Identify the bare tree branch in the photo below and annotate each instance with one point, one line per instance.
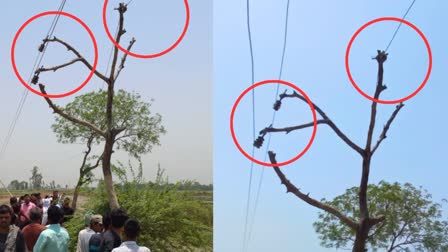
(329, 122)
(122, 8)
(289, 129)
(69, 117)
(125, 136)
(44, 69)
(96, 164)
(381, 58)
(396, 236)
(386, 127)
(363, 207)
(123, 59)
(293, 189)
(80, 57)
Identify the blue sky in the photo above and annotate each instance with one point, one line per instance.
(180, 82)
(318, 34)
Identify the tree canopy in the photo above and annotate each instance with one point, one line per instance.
(143, 128)
(413, 222)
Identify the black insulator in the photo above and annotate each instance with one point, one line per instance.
(41, 47)
(277, 105)
(35, 79)
(259, 142)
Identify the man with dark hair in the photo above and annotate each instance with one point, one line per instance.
(67, 210)
(15, 220)
(13, 200)
(54, 238)
(11, 238)
(32, 231)
(25, 210)
(131, 232)
(111, 238)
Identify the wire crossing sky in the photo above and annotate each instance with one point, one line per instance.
(317, 40)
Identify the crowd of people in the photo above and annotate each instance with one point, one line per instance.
(32, 223)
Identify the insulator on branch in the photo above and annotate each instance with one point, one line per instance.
(277, 105)
(35, 79)
(41, 47)
(259, 142)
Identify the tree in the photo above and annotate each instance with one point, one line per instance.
(109, 131)
(36, 180)
(412, 220)
(52, 185)
(141, 134)
(364, 221)
(14, 185)
(23, 185)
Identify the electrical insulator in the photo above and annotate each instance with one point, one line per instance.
(277, 105)
(259, 142)
(35, 79)
(41, 47)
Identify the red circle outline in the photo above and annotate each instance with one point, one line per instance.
(347, 67)
(147, 56)
(13, 46)
(272, 82)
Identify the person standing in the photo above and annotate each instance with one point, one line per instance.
(25, 210)
(111, 238)
(32, 231)
(131, 233)
(11, 238)
(95, 240)
(54, 238)
(67, 210)
(95, 226)
(46, 203)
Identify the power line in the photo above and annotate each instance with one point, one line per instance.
(37, 62)
(273, 119)
(399, 25)
(253, 124)
(25, 93)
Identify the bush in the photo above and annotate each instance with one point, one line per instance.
(171, 220)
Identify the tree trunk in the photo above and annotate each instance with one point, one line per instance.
(75, 195)
(361, 236)
(106, 164)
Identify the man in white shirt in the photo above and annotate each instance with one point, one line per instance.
(96, 226)
(46, 202)
(131, 232)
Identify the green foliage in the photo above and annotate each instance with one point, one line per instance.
(73, 227)
(16, 185)
(171, 220)
(142, 128)
(413, 222)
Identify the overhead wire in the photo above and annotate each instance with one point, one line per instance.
(253, 125)
(25, 93)
(285, 36)
(399, 25)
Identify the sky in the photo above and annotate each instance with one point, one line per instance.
(180, 83)
(318, 35)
